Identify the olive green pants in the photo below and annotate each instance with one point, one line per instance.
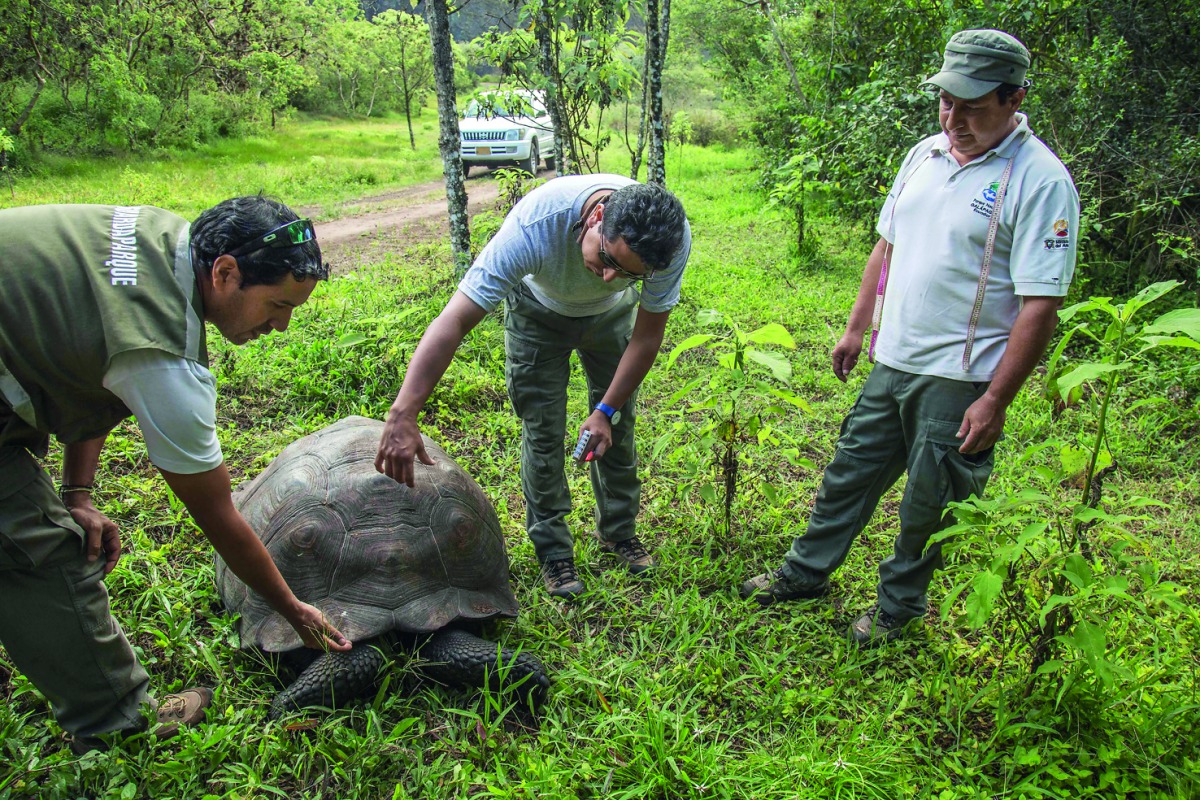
(55, 621)
(901, 422)
(538, 343)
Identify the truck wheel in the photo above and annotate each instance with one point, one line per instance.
(530, 164)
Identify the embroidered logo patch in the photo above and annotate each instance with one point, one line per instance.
(987, 200)
(1062, 236)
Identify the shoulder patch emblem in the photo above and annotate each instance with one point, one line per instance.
(1061, 239)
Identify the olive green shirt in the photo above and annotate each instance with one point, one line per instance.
(82, 284)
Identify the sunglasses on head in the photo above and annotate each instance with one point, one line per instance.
(290, 234)
(612, 264)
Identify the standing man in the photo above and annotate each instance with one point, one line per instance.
(102, 317)
(977, 249)
(565, 262)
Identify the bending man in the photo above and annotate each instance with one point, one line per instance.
(566, 263)
(102, 317)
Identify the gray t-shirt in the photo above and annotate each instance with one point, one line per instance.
(537, 244)
(175, 402)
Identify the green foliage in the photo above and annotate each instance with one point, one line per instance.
(1059, 573)
(122, 75)
(669, 687)
(738, 407)
(6, 146)
(587, 67)
(1110, 95)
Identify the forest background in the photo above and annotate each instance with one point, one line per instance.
(1063, 658)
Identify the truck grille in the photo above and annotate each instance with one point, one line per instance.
(482, 136)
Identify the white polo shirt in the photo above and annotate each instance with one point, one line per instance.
(938, 228)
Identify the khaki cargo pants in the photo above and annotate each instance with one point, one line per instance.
(538, 343)
(54, 616)
(900, 423)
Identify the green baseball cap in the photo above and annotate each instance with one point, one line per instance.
(977, 61)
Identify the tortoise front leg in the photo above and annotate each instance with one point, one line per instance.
(332, 680)
(458, 658)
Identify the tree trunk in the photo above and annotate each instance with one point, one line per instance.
(787, 60)
(565, 161)
(408, 98)
(449, 142)
(656, 56)
(635, 157)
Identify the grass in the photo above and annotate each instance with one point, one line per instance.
(308, 161)
(670, 687)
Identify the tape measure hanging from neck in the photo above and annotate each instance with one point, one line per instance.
(988, 248)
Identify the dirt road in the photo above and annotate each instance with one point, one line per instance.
(397, 219)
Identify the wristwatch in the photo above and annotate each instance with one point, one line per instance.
(613, 414)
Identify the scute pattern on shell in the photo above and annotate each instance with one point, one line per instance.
(372, 554)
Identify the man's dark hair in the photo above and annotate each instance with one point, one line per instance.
(650, 220)
(1006, 90)
(231, 224)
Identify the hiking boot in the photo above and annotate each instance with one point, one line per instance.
(774, 586)
(175, 710)
(635, 554)
(876, 627)
(184, 708)
(561, 579)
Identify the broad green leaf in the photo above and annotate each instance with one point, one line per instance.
(792, 398)
(709, 493)
(1066, 314)
(1155, 342)
(779, 365)
(1153, 292)
(1078, 571)
(1085, 372)
(1075, 460)
(1184, 320)
(770, 493)
(352, 340)
(685, 391)
(710, 316)
(985, 588)
(1053, 602)
(774, 333)
(687, 344)
(1091, 640)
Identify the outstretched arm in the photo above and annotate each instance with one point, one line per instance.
(984, 420)
(401, 440)
(639, 356)
(849, 347)
(208, 497)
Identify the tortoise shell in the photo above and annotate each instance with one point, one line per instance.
(372, 554)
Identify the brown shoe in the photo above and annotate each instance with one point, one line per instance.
(561, 579)
(635, 554)
(184, 708)
(772, 587)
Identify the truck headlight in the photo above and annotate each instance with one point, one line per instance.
(514, 134)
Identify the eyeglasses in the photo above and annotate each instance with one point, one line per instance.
(612, 264)
(290, 234)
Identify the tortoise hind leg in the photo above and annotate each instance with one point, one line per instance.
(458, 658)
(331, 680)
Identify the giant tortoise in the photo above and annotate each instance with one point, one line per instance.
(383, 562)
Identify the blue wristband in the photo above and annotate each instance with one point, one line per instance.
(608, 410)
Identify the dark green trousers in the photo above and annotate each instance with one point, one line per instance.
(55, 621)
(900, 423)
(538, 344)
